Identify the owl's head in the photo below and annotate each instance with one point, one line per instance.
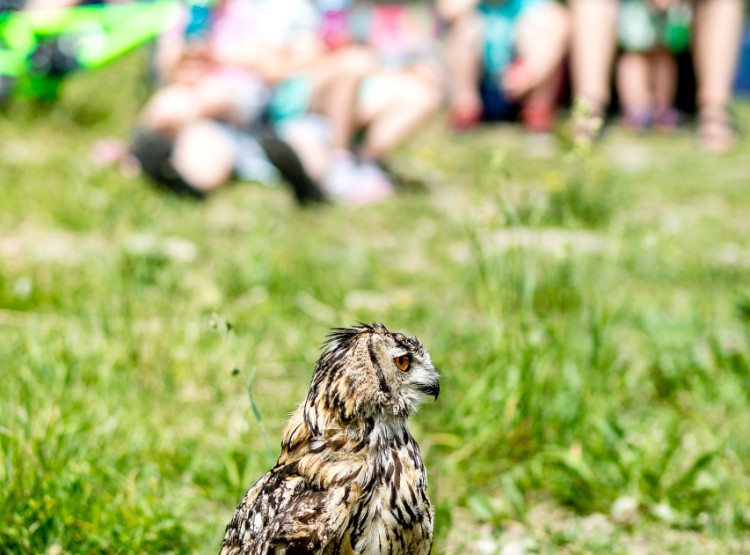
(367, 371)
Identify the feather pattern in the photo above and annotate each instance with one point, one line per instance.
(350, 477)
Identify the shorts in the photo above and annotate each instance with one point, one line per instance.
(373, 90)
(250, 160)
(495, 105)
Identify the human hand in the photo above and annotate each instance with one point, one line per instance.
(194, 62)
(197, 51)
(450, 10)
(518, 80)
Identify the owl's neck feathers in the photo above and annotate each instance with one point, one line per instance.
(332, 451)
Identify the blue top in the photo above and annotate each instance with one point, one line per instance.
(500, 19)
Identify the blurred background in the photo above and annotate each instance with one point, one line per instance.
(552, 196)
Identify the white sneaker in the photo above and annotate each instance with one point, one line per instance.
(341, 177)
(373, 185)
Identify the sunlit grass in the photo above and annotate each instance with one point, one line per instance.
(589, 315)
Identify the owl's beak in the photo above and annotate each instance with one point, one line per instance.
(432, 389)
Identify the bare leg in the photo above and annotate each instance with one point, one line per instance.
(203, 156)
(537, 78)
(312, 147)
(463, 56)
(337, 81)
(169, 109)
(402, 102)
(634, 85)
(542, 43)
(547, 91)
(215, 101)
(666, 118)
(175, 106)
(664, 78)
(718, 32)
(592, 49)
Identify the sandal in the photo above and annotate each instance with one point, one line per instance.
(717, 130)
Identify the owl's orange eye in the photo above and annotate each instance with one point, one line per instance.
(402, 362)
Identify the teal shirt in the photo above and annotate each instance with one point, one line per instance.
(500, 18)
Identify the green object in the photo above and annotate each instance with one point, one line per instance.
(291, 98)
(11, 64)
(677, 27)
(38, 48)
(642, 27)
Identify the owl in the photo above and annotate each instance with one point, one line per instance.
(350, 477)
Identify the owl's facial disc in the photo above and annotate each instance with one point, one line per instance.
(414, 375)
(422, 375)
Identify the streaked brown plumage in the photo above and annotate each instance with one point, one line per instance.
(350, 477)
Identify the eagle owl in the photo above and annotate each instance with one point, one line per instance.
(350, 478)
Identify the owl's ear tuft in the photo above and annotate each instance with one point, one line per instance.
(344, 336)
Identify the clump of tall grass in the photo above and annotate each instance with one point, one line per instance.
(559, 398)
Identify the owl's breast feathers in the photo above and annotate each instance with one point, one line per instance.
(345, 490)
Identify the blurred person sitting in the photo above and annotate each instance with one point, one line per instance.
(377, 84)
(505, 60)
(216, 67)
(651, 33)
(405, 88)
(717, 37)
(314, 110)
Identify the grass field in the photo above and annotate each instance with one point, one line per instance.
(590, 315)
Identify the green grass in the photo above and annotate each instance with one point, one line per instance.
(590, 315)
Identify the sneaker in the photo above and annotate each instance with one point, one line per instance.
(356, 184)
(717, 130)
(637, 120)
(283, 157)
(341, 177)
(153, 152)
(374, 186)
(667, 119)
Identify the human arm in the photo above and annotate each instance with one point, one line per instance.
(274, 62)
(450, 10)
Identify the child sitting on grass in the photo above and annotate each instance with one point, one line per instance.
(505, 60)
(650, 33)
(376, 85)
(201, 127)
